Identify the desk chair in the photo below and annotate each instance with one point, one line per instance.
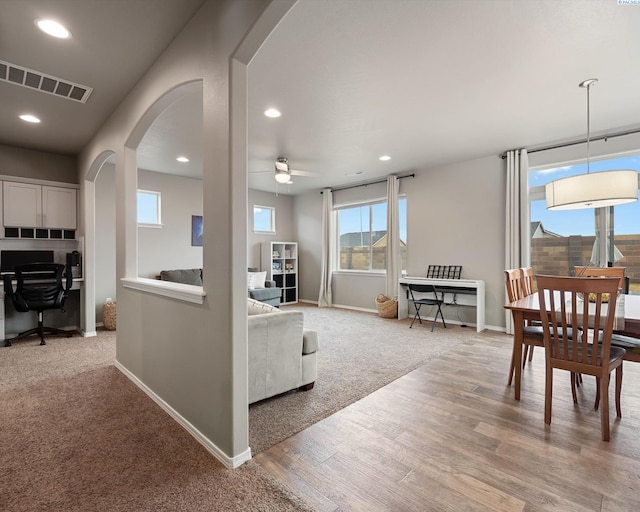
(565, 304)
(425, 301)
(39, 287)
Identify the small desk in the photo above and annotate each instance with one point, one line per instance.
(461, 292)
(528, 308)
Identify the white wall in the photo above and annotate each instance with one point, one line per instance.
(455, 217)
(169, 247)
(283, 205)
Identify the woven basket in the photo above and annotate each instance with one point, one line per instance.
(109, 316)
(387, 307)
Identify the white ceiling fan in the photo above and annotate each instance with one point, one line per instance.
(283, 173)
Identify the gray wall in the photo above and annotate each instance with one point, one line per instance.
(39, 165)
(204, 377)
(105, 239)
(455, 217)
(169, 247)
(284, 223)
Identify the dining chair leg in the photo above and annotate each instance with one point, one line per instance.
(525, 353)
(548, 392)
(604, 413)
(573, 387)
(595, 406)
(618, 390)
(531, 353)
(512, 369)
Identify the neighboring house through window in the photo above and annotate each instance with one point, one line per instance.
(362, 236)
(561, 240)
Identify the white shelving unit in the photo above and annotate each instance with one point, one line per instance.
(280, 260)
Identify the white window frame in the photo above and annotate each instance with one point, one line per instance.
(336, 259)
(272, 209)
(158, 197)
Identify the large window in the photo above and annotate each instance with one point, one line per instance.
(149, 208)
(562, 240)
(362, 236)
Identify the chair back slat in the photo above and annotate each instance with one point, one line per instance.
(527, 281)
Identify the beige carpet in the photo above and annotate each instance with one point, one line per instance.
(95, 442)
(359, 353)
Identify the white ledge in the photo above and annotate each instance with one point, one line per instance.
(179, 291)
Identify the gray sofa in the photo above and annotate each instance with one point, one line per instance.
(270, 294)
(282, 353)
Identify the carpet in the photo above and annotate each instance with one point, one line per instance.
(359, 353)
(95, 442)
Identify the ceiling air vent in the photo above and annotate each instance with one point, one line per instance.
(31, 79)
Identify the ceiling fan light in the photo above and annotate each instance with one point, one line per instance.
(282, 176)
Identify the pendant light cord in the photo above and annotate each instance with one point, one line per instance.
(588, 125)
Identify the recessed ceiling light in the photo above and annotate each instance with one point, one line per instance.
(384, 158)
(29, 118)
(182, 159)
(272, 112)
(53, 28)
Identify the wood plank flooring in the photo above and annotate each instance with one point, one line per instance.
(449, 436)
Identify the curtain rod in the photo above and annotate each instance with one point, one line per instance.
(412, 175)
(576, 142)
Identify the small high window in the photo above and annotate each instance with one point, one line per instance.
(264, 219)
(149, 208)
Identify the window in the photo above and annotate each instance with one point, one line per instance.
(149, 208)
(561, 240)
(362, 236)
(264, 219)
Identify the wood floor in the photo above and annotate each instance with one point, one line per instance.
(449, 436)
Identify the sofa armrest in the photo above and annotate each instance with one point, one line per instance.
(309, 341)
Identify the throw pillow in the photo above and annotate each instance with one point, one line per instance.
(255, 307)
(257, 279)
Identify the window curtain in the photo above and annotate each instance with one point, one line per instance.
(517, 217)
(394, 264)
(324, 298)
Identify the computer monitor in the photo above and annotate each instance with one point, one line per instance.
(9, 259)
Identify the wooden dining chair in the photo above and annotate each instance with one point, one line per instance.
(580, 304)
(518, 288)
(602, 272)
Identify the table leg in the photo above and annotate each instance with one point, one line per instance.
(518, 336)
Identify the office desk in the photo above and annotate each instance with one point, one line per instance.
(627, 323)
(459, 292)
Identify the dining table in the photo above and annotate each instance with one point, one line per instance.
(627, 323)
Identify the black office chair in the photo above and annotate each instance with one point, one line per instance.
(425, 301)
(39, 287)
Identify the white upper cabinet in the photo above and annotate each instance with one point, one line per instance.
(35, 206)
(22, 204)
(59, 207)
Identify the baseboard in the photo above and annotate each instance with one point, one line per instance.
(355, 308)
(308, 301)
(228, 462)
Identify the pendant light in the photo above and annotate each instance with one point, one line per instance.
(592, 190)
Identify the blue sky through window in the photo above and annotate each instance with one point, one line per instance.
(581, 222)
